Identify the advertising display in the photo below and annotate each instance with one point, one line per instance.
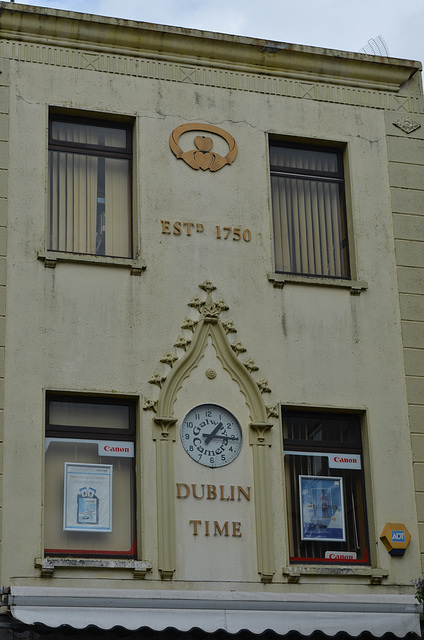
(87, 504)
(322, 508)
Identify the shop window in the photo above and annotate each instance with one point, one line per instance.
(89, 506)
(90, 186)
(308, 204)
(325, 488)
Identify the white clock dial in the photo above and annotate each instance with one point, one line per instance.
(211, 435)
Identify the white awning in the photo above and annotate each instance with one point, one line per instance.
(211, 611)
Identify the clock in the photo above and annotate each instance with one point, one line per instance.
(211, 435)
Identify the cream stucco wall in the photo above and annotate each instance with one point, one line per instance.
(97, 328)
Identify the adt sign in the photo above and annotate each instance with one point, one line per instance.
(395, 537)
(398, 536)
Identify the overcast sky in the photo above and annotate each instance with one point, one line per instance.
(333, 24)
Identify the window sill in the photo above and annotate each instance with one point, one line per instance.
(48, 565)
(280, 279)
(51, 258)
(294, 573)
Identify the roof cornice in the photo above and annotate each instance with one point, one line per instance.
(125, 37)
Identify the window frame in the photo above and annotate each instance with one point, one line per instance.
(92, 435)
(337, 178)
(106, 121)
(297, 446)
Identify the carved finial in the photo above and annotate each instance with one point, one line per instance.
(158, 379)
(207, 286)
(229, 327)
(272, 411)
(197, 303)
(169, 358)
(238, 348)
(189, 324)
(150, 405)
(263, 386)
(182, 343)
(250, 365)
(211, 310)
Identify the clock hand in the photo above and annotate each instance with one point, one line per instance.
(209, 436)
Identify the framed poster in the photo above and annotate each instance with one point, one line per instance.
(322, 514)
(87, 500)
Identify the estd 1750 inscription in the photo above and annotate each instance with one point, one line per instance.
(178, 228)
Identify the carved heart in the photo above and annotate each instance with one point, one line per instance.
(204, 160)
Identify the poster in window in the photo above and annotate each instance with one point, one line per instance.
(322, 509)
(87, 502)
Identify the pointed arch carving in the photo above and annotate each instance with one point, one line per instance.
(210, 326)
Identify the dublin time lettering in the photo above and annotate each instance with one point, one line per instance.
(231, 493)
(212, 492)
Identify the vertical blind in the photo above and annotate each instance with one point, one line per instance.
(308, 211)
(89, 189)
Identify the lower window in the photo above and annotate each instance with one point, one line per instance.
(325, 488)
(89, 506)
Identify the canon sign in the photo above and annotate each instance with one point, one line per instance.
(342, 556)
(344, 461)
(118, 449)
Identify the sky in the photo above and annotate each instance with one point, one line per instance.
(334, 24)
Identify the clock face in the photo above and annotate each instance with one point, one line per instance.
(211, 435)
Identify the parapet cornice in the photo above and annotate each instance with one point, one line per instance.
(125, 37)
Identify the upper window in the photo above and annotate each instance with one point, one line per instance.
(310, 236)
(90, 186)
(89, 506)
(325, 488)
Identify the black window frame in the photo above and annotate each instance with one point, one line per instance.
(105, 121)
(330, 177)
(357, 527)
(81, 434)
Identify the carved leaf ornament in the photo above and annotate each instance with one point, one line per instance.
(203, 157)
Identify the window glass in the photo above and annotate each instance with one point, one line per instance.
(89, 477)
(325, 488)
(90, 188)
(307, 190)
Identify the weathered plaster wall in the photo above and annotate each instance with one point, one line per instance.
(406, 158)
(96, 328)
(4, 156)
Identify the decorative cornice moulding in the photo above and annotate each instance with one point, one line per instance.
(278, 84)
(142, 49)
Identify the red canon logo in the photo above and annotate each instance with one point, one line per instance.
(337, 459)
(338, 556)
(117, 449)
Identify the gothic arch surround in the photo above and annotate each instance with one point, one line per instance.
(209, 326)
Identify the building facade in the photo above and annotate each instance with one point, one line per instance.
(212, 326)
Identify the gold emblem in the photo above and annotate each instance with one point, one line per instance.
(203, 157)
